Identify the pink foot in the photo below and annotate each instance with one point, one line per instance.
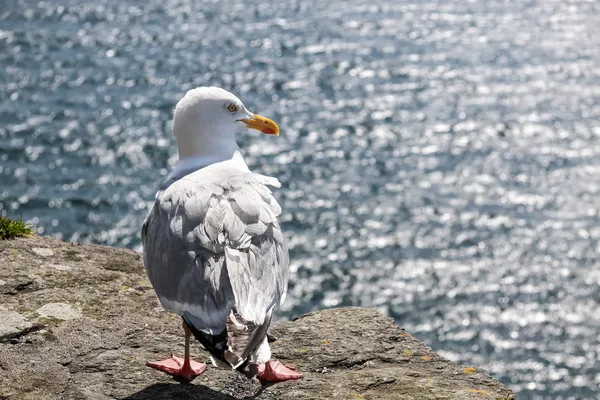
(176, 366)
(275, 371)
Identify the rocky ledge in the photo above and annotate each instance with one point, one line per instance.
(79, 322)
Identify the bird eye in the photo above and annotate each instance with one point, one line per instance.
(232, 108)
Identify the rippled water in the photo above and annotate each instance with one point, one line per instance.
(440, 160)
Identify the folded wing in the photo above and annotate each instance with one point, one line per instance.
(215, 255)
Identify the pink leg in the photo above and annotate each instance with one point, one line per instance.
(180, 367)
(275, 371)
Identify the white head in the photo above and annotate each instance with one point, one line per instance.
(206, 120)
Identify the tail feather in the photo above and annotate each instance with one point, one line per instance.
(244, 337)
(236, 343)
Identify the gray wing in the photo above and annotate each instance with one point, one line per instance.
(212, 244)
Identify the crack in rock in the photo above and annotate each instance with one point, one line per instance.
(14, 325)
(384, 381)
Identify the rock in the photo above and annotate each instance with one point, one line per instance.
(43, 251)
(60, 267)
(12, 324)
(86, 332)
(61, 311)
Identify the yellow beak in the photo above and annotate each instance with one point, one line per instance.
(265, 125)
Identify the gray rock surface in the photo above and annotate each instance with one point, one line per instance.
(12, 324)
(61, 311)
(100, 323)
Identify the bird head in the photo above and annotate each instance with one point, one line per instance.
(206, 120)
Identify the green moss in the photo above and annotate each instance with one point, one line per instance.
(92, 311)
(49, 321)
(13, 228)
(23, 309)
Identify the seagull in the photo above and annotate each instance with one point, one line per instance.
(213, 248)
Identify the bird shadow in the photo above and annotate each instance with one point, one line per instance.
(186, 391)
